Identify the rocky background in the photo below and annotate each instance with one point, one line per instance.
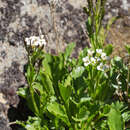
(23, 18)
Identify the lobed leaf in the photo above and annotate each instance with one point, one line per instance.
(115, 120)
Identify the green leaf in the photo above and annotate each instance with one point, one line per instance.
(115, 121)
(46, 64)
(84, 100)
(47, 83)
(118, 105)
(82, 115)
(54, 66)
(67, 81)
(58, 111)
(106, 109)
(30, 103)
(123, 109)
(23, 92)
(89, 26)
(101, 125)
(69, 50)
(37, 54)
(117, 62)
(38, 87)
(65, 88)
(73, 107)
(126, 116)
(65, 91)
(127, 48)
(34, 123)
(77, 72)
(108, 49)
(30, 73)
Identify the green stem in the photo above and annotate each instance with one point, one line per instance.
(32, 91)
(69, 115)
(33, 100)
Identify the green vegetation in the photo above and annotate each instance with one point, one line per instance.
(87, 93)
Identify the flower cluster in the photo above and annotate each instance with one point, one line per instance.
(102, 67)
(101, 54)
(97, 59)
(35, 41)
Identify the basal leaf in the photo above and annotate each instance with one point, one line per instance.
(54, 66)
(73, 107)
(65, 91)
(46, 64)
(82, 115)
(58, 111)
(115, 121)
(47, 83)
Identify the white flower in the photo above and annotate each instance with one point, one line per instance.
(27, 40)
(103, 56)
(93, 60)
(87, 63)
(86, 59)
(97, 59)
(102, 67)
(99, 51)
(42, 36)
(90, 53)
(42, 42)
(35, 41)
